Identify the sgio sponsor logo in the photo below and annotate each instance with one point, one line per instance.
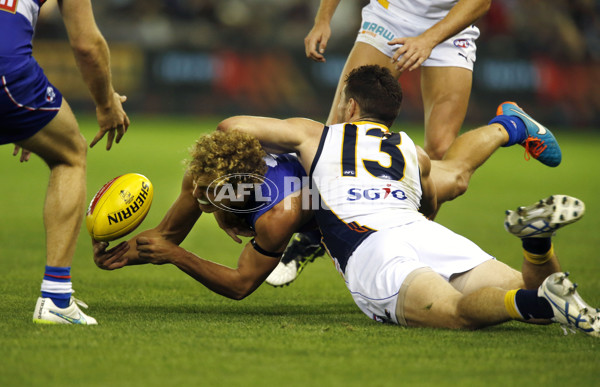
(386, 193)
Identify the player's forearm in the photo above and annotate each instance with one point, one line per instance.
(219, 278)
(93, 60)
(462, 15)
(326, 10)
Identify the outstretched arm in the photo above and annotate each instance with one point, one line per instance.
(93, 59)
(273, 232)
(173, 228)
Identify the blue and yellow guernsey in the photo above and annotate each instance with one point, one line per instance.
(368, 179)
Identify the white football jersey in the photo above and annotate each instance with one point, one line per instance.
(368, 179)
(427, 9)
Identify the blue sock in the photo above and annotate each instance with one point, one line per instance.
(57, 285)
(517, 131)
(532, 306)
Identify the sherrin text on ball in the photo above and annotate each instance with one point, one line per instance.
(119, 207)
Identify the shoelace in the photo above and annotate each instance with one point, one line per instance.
(534, 147)
(79, 302)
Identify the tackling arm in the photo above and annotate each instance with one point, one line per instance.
(299, 135)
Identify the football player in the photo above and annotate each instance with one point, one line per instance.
(450, 283)
(36, 118)
(399, 266)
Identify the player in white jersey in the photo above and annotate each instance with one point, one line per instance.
(436, 35)
(35, 117)
(399, 266)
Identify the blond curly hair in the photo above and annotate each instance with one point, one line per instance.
(220, 154)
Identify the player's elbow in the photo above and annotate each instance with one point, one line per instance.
(88, 48)
(228, 124)
(484, 7)
(242, 290)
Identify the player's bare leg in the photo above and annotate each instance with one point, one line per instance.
(361, 54)
(431, 301)
(63, 148)
(445, 92)
(467, 153)
(490, 273)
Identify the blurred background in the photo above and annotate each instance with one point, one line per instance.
(225, 57)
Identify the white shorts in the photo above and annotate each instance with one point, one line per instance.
(379, 266)
(380, 25)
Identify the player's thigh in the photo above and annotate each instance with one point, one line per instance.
(60, 141)
(448, 88)
(428, 300)
(361, 54)
(492, 273)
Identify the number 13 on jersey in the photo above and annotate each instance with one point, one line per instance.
(389, 143)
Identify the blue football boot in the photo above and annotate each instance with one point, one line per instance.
(539, 143)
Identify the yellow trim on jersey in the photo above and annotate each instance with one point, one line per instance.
(384, 3)
(539, 259)
(511, 306)
(387, 130)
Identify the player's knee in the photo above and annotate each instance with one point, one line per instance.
(461, 183)
(73, 153)
(78, 151)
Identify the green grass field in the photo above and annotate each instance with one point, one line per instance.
(159, 327)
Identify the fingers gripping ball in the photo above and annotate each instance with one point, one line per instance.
(119, 207)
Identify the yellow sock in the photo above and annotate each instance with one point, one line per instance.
(511, 305)
(539, 259)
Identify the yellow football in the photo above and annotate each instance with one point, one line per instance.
(119, 207)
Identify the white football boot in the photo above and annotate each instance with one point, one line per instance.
(303, 249)
(47, 313)
(542, 219)
(569, 308)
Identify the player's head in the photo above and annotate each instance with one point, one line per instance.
(224, 160)
(375, 90)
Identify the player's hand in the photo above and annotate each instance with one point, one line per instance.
(315, 42)
(111, 120)
(413, 52)
(157, 251)
(233, 225)
(25, 154)
(109, 259)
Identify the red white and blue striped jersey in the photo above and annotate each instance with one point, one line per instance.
(17, 24)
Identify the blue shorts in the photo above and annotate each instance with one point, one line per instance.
(28, 102)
